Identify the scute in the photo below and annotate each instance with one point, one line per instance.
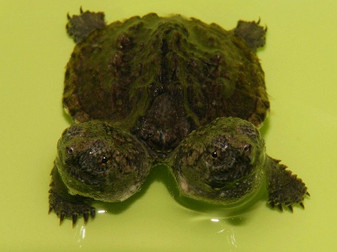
(118, 73)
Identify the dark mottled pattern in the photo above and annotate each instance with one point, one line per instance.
(81, 25)
(102, 161)
(284, 188)
(164, 77)
(217, 164)
(249, 31)
(153, 91)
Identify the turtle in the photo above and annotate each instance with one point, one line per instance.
(169, 92)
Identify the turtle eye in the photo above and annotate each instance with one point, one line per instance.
(214, 154)
(69, 150)
(104, 160)
(247, 148)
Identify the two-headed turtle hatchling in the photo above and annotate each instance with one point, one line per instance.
(170, 91)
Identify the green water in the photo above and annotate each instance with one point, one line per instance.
(300, 65)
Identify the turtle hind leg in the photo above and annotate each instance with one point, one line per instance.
(66, 205)
(79, 26)
(284, 188)
(252, 33)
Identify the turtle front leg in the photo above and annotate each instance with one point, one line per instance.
(252, 33)
(284, 188)
(66, 205)
(79, 26)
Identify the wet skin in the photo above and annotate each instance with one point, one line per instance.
(167, 91)
(223, 162)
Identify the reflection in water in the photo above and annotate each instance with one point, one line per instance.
(214, 220)
(227, 231)
(80, 235)
(81, 231)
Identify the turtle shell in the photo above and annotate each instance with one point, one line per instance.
(162, 77)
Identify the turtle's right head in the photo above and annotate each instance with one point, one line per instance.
(100, 161)
(222, 162)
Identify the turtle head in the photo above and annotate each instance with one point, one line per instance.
(100, 161)
(222, 162)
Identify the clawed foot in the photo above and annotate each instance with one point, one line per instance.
(283, 205)
(66, 205)
(284, 188)
(72, 210)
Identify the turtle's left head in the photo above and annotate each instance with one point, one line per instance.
(100, 161)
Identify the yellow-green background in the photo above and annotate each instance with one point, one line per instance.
(300, 64)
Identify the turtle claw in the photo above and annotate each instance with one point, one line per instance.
(302, 205)
(86, 218)
(71, 210)
(92, 212)
(62, 215)
(290, 207)
(280, 207)
(74, 217)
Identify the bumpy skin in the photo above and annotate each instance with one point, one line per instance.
(168, 91)
(284, 188)
(103, 162)
(222, 162)
(164, 77)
